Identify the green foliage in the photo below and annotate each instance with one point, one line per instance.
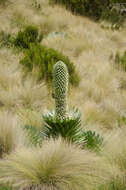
(69, 128)
(92, 140)
(60, 83)
(117, 1)
(27, 36)
(6, 39)
(43, 59)
(120, 61)
(115, 17)
(95, 9)
(5, 187)
(60, 122)
(36, 5)
(3, 2)
(85, 7)
(35, 136)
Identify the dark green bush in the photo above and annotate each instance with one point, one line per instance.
(114, 15)
(3, 2)
(91, 8)
(44, 58)
(29, 35)
(117, 1)
(6, 39)
(95, 9)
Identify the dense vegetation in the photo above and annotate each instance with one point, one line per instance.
(95, 9)
(43, 59)
(78, 144)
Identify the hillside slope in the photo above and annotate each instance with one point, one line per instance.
(99, 96)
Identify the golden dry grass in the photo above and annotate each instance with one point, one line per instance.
(11, 135)
(99, 97)
(57, 165)
(89, 46)
(15, 90)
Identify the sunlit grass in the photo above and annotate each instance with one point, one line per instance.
(57, 165)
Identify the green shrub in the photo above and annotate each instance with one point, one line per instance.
(6, 39)
(120, 61)
(117, 1)
(92, 140)
(85, 7)
(29, 35)
(5, 187)
(115, 17)
(44, 58)
(95, 9)
(3, 2)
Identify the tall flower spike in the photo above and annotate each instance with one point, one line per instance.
(60, 82)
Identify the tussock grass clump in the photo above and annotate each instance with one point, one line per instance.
(30, 117)
(114, 153)
(115, 149)
(11, 136)
(57, 165)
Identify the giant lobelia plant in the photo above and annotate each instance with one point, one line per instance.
(60, 82)
(61, 121)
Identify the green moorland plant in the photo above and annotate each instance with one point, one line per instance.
(60, 80)
(3, 2)
(22, 39)
(61, 121)
(84, 7)
(120, 61)
(5, 187)
(5, 39)
(97, 9)
(29, 35)
(42, 59)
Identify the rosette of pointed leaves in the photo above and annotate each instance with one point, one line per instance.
(69, 128)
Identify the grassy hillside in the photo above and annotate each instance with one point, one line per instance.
(100, 96)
